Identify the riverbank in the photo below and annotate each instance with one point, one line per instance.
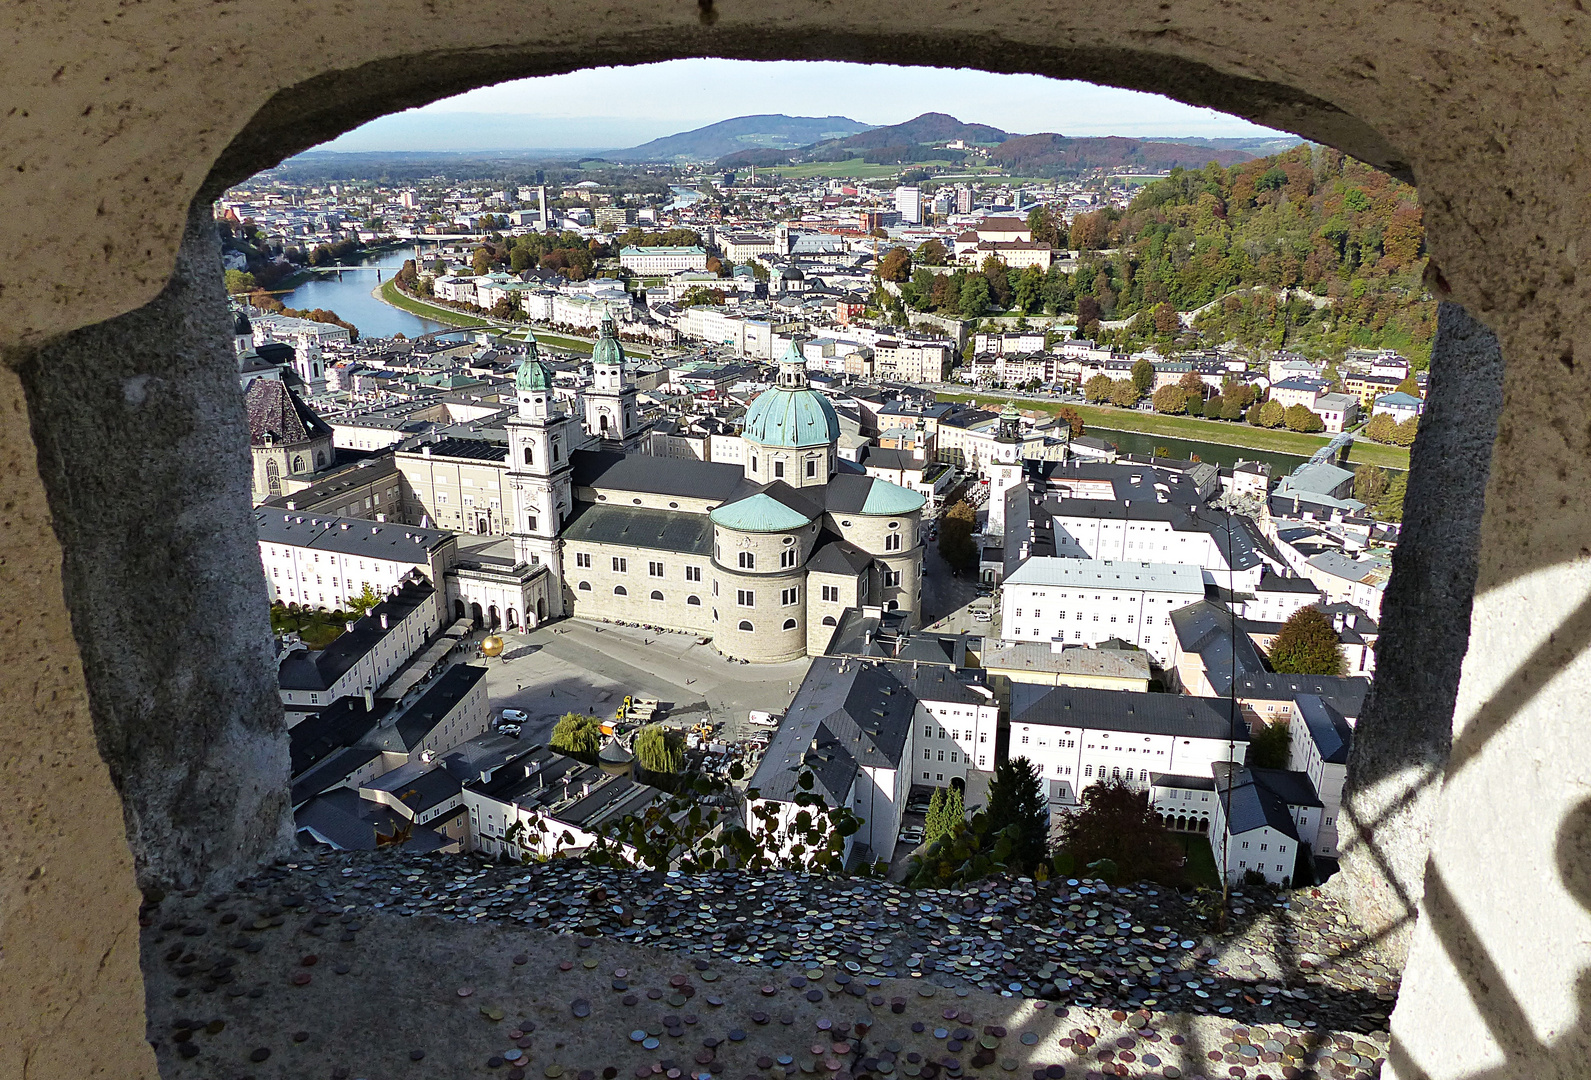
(1223, 433)
(389, 293)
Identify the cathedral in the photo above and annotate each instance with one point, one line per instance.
(762, 557)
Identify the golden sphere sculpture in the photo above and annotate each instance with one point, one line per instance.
(492, 645)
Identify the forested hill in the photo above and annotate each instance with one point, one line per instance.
(1047, 154)
(1310, 219)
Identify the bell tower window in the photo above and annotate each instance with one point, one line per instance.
(530, 457)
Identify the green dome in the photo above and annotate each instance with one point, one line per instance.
(885, 498)
(533, 373)
(761, 513)
(607, 349)
(792, 414)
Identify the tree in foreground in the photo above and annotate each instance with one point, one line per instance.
(1116, 825)
(576, 734)
(659, 750)
(1307, 645)
(1016, 798)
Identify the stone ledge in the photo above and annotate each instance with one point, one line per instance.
(384, 994)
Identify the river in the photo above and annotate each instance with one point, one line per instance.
(350, 298)
(1134, 442)
(683, 196)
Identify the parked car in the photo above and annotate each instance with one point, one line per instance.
(513, 716)
(912, 834)
(508, 729)
(979, 615)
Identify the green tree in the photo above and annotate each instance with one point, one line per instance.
(999, 278)
(955, 536)
(1172, 399)
(481, 260)
(931, 253)
(363, 601)
(1115, 825)
(240, 281)
(1381, 428)
(701, 295)
(974, 296)
(1302, 418)
(659, 750)
(1270, 748)
(520, 259)
(1098, 388)
(1404, 433)
(934, 821)
(1408, 386)
(1125, 392)
(576, 734)
(1307, 645)
(1028, 290)
(1272, 415)
(1143, 376)
(1016, 798)
(896, 265)
(1370, 483)
(1043, 226)
(1390, 506)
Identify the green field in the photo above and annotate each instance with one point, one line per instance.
(1211, 431)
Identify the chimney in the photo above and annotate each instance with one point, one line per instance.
(292, 505)
(349, 625)
(383, 620)
(370, 700)
(585, 788)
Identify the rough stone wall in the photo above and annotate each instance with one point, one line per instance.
(1402, 739)
(68, 902)
(143, 449)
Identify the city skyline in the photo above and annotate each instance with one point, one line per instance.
(584, 109)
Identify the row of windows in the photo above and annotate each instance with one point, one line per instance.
(930, 732)
(928, 755)
(1115, 772)
(1037, 614)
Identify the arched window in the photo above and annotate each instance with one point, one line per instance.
(789, 624)
(320, 459)
(530, 458)
(584, 586)
(693, 601)
(744, 625)
(273, 477)
(620, 590)
(513, 618)
(828, 620)
(298, 463)
(656, 595)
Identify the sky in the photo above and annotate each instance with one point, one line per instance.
(611, 108)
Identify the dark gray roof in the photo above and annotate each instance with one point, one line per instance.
(661, 530)
(417, 785)
(836, 556)
(1129, 711)
(1293, 788)
(368, 539)
(881, 458)
(472, 449)
(846, 714)
(568, 790)
(1208, 629)
(1345, 693)
(1327, 727)
(1250, 805)
(1182, 780)
(1272, 582)
(302, 670)
(340, 724)
(421, 718)
(684, 477)
(276, 413)
(376, 469)
(331, 771)
(349, 823)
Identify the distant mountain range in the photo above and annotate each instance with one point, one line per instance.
(925, 138)
(772, 131)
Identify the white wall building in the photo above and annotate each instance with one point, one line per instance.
(1086, 601)
(1079, 736)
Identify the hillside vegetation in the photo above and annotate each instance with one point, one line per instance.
(1309, 219)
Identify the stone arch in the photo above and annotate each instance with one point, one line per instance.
(541, 610)
(360, 76)
(459, 611)
(511, 619)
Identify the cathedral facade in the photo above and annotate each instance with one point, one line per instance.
(762, 557)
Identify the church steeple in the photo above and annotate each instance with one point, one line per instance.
(612, 414)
